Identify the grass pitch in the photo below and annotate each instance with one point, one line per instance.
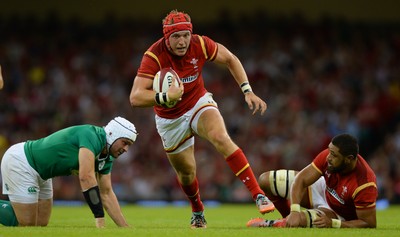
(224, 220)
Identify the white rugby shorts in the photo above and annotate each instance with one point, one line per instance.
(177, 134)
(317, 193)
(318, 196)
(21, 182)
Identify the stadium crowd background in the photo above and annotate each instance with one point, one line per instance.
(319, 78)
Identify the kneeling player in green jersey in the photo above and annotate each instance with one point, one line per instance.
(27, 169)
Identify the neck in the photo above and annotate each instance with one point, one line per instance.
(104, 152)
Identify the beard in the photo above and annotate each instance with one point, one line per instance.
(337, 169)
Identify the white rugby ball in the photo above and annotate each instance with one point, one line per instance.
(163, 81)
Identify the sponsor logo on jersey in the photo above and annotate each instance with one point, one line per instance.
(101, 164)
(332, 192)
(32, 190)
(4, 205)
(190, 78)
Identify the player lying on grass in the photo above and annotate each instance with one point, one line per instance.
(338, 189)
(27, 169)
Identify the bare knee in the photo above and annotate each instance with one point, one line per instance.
(42, 221)
(26, 222)
(263, 181)
(186, 178)
(222, 142)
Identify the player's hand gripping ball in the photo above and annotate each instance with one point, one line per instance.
(163, 80)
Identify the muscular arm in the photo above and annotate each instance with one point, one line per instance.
(142, 94)
(110, 201)
(366, 219)
(87, 177)
(225, 57)
(303, 179)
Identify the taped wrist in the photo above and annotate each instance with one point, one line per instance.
(295, 207)
(246, 88)
(92, 197)
(161, 98)
(336, 223)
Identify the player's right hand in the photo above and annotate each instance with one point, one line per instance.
(293, 219)
(175, 92)
(100, 222)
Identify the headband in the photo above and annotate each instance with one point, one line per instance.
(176, 21)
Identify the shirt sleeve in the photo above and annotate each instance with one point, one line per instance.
(210, 47)
(365, 196)
(319, 161)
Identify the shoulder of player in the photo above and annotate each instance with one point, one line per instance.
(157, 47)
(85, 130)
(201, 39)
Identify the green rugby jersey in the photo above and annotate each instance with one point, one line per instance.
(57, 154)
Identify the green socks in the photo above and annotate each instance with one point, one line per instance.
(7, 215)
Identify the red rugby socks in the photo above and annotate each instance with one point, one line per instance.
(193, 194)
(238, 163)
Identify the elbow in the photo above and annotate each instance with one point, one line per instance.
(136, 101)
(87, 181)
(133, 100)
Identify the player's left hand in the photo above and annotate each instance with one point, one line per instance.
(100, 222)
(255, 103)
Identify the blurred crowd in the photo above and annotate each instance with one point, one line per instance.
(318, 78)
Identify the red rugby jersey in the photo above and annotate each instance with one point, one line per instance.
(188, 67)
(346, 193)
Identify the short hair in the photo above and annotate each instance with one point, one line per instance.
(347, 144)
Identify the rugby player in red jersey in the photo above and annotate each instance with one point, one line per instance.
(196, 112)
(338, 190)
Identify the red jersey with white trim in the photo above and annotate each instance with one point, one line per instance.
(346, 193)
(188, 67)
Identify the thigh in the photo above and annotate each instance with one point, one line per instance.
(175, 134)
(20, 180)
(211, 126)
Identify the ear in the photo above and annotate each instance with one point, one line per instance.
(349, 158)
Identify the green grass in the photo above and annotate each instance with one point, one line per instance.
(225, 220)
